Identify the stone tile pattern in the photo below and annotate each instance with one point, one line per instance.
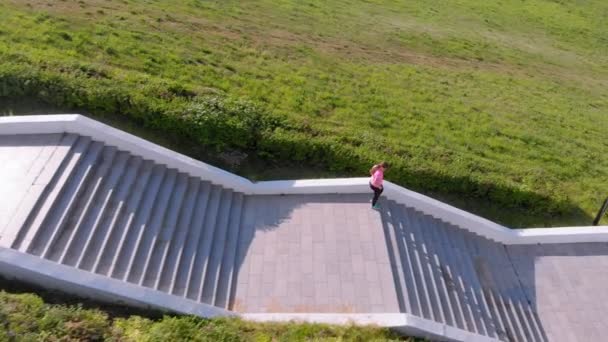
(22, 158)
(568, 283)
(316, 253)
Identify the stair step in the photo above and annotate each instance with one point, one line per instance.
(212, 267)
(56, 245)
(92, 215)
(424, 251)
(145, 247)
(169, 261)
(73, 190)
(56, 147)
(390, 223)
(415, 253)
(510, 288)
(537, 326)
(136, 226)
(488, 316)
(411, 290)
(434, 249)
(226, 274)
(68, 166)
(503, 311)
(48, 165)
(515, 293)
(526, 310)
(160, 243)
(447, 269)
(473, 306)
(110, 215)
(186, 256)
(119, 230)
(503, 306)
(248, 227)
(197, 270)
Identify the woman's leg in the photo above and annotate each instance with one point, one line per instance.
(377, 192)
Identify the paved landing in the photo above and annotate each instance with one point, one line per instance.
(568, 284)
(22, 159)
(316, 254)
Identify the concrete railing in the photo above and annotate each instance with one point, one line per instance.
(404, 323)
(74, 123)
(52, 275)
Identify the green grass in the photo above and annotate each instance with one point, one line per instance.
(499, 107)
(27, 317)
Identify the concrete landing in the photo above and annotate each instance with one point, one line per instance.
(568, 284)
(23, 160)
(316, 253)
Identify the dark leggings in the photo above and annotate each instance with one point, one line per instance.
(377, 192)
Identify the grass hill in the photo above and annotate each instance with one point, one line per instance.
(499, 107)
(28, 317)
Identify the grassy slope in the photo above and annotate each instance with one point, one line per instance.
(511, 93)
(26, 317)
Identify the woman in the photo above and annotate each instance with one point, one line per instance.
(375, 183)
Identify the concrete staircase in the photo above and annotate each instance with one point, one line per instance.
(112, 213)
(85, 216)
(109, 212)
(448, 275)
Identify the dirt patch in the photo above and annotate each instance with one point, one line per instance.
(357, 52)
(253, 33)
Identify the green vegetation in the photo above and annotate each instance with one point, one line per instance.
(26, 317)
(500, 107)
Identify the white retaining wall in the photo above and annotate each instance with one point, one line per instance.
(404, 323)
(52, 275)
(79, 124)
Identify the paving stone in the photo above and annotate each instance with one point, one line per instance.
(563, 282)
(23, 159)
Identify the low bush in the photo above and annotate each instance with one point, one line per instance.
(219, 122)
(26, 317)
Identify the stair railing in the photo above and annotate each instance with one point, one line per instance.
(601, 213)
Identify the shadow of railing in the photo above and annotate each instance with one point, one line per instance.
(566, 284)
(446, 274)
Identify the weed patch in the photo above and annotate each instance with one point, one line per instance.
(26, 317)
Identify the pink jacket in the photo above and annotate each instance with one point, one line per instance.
(377, 178)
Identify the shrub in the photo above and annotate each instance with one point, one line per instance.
(25, 317)
(219, 122)
(73, 323)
